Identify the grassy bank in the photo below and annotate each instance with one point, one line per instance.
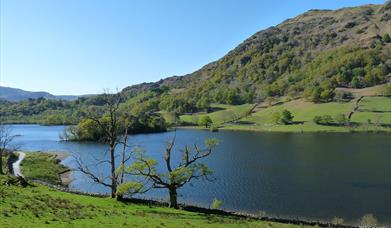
(43, 166)
(38, 205)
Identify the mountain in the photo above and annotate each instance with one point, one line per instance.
(306, 56)
(13, 94)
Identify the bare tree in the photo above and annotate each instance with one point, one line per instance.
(176, 177)
(6, 138)
(108, 119)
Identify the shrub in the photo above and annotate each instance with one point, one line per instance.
(286, 117)
(341, 119)
(343, 96)
(216, 204)
(368, 220)
(276, 118)
(205, 121)
(387, 38)
(337, 221)
(323, 120)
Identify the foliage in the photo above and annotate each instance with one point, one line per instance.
(285, 117)
(368, 220)
(341, 119)
(323, 120)
(177, 176)
(40, 206)
(205, 121)
(216, 204)
(386, 38)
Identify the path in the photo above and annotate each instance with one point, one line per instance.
(16, 165)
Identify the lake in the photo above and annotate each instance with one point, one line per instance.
(307, 176)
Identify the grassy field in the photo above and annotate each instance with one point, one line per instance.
(375, 104)
(375, 109)
(223, 113)
(38, 206)
(43, 166)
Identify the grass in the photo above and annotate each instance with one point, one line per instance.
(375, 104)
(223, 114)
(302, 111)
(42, 166)
(38, 206)
(376, 109)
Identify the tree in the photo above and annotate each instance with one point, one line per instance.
(174, 178)
(286, 117)
(114, 131)
(323, 120)
(276, 118)
(205, 121)
(6, 138)
(387, 38)
(341, 119)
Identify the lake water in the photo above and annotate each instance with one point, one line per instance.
(314, 176)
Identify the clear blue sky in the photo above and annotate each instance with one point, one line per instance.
(83, 46)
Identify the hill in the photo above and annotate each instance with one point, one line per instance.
(319, 57)
(13, 94)
(306, 56)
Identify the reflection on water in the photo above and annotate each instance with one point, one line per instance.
(315, 176)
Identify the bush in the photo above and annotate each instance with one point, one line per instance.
(343, 96)
(205, 121)
(323, 120)
(387, 38)
(276, 118)
(286, 117)
(341, 119)
(368, 220)
(216, 204)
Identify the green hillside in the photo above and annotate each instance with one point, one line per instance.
(318, 57)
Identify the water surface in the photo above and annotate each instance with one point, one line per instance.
(315, 176)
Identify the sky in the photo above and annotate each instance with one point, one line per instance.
(85, 46)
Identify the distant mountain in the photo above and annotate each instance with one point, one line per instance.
(13, 94)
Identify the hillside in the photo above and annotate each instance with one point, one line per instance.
(13, 94)
(318, 50)
(313, 57)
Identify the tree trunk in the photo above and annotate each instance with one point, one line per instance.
(1, 163)
(113, 175)
(173, 198)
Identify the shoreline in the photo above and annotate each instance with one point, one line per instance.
(66, 176)
(347, 131)
(66, 179)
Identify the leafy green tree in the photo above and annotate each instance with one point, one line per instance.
(286, 117)
(216, 204)
(276, 118)
(174, 177)
(205, 121)
(387, 38)
(341, 119)
(323, 120)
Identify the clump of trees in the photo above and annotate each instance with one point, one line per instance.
(205, 121)
(112, 126)
(339, 119)
(285, 117)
